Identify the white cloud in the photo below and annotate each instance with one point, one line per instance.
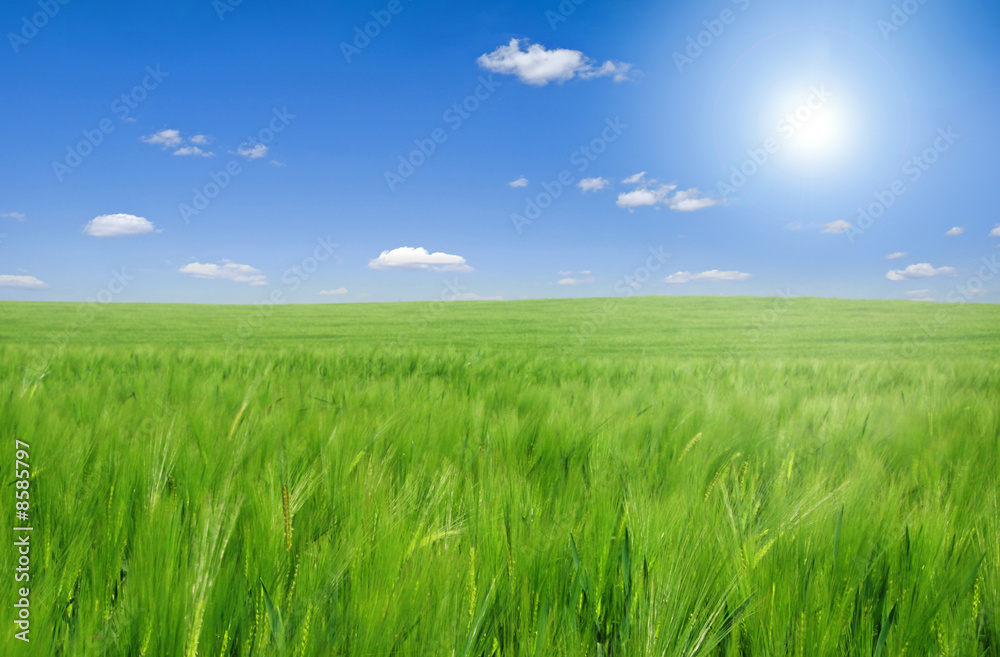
(118, 225)
(838, 227)
(644, 196)
(193, 150)
(635, 179)
(227, 271)
(338, 292)
(922, 270)
(592, 184)
(710, 275)
(22, 282)
(620, 71)
(683, 201)
(520, 182)
(957, 230)
(409, 258)
(897, 255)
(280, 165)
(164, 138)
(688, 201)
(172, 139)
(17, 216)
(995, 232)
(538, 66)
(254, 152)
(576, 281)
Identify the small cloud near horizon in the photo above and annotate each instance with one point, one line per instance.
(227, 270)
(710, 275)
(407, 257)
(22, 282)
(922, 270)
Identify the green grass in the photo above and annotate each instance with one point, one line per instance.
(656, 476)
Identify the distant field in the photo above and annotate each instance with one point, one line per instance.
(648, 476)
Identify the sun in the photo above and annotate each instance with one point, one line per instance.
(818, 136)
(815, 129)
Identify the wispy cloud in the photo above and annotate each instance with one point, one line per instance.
(252, 152)
(227, 270)
(689, 201)
(470, 296)
(569, 280)
(118, 225)
(897, 255)
(17, 216)
(650, 193)
(538, 66)
(922, 270)
(172, 139)
(340, 291)
(957, 230)
(838, 227)
(919, 295)
(22, 282)
(520, 182)
(192, 150)
(995, 232)
(710, 275)
(418, 258)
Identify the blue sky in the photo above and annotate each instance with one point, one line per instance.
(215, 152)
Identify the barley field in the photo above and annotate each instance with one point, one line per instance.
(603, 477)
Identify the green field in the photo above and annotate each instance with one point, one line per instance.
(646, 476)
